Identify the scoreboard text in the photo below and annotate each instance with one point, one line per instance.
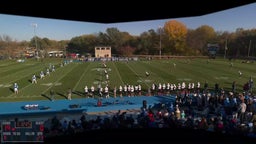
(22, 131)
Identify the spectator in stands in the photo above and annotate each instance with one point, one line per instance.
(242, 109)
(253, 120)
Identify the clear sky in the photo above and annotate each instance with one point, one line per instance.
(20, 27)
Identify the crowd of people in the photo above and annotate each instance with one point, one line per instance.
(195, 107)
(227, 113)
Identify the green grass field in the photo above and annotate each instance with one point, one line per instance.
(76, 75)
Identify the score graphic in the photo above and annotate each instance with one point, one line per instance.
(22, 131)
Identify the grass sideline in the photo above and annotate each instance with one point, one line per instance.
(76, 75)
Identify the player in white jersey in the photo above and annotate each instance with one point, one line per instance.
(198, 85)
(34, 79)
(92, 91)
(53, 68)
(240, 73)
(86, 90)
(125, 90)
(147, 73)
(132, 90)
(16, 88)
(192, 85)
(179, 86)
(189, 86)
(69, 94)
(174, 65)
(106, 91)
(139, 89)
(129, 90)
(47, 72)
(41, 75)
(168, 87)
(114, 92)
(183, 85)
(174, 87)
(120, 91)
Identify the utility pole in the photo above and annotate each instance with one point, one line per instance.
(160, 42)
(249, 48)
(226, 48)
(35, 26)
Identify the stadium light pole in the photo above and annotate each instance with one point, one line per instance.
(35, 26)
(226, 48)
(160, 42)
(249, 48)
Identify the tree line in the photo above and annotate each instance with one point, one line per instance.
(174, 38)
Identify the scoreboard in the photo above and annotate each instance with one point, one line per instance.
(22, 131)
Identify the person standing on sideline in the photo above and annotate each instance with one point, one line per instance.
(16, 88)
(52, 95)
(234, 87)
(69, 93)
(114, 91)
(86, 91)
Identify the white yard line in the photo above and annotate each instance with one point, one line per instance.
(118, 74)
(81, 77)
(20, 78)
(58, 80)
(137, 75)
(159, 77)
(20, 95)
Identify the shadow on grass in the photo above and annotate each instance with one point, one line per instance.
(98, 80)
(78, 93)
(62, 95)
(46, 96)
(11, 89)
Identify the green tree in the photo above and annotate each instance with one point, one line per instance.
(119, 41)
(82, 44)
(148, 43)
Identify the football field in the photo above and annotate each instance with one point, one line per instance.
(76, 75)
